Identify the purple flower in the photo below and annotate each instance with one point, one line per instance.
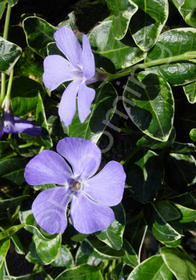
(11, 124)
(91, 196)
(78, 67)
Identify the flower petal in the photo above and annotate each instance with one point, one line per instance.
(68, 44)
(57, 70)
(21, 125)
(107, 186)
(83, 155)
(88, 60)
(85, 98)
(49, 209)
(47, 168)
(67, 106)
(88, 217)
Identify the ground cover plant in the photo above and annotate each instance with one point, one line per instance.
(97, 140)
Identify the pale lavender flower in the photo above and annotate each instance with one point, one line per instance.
(91, 196)
(11, 124)
(79, 67)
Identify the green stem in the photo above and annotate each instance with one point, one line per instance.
(5, 36)
(188, 56)
(141, 244)
(9, 87)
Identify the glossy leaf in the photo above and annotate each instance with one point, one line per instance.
(190, 91)
(187, 10)
(151, 269)
(2, 8)
(121, 54)
(81, 272)
(64, 258)
(179, 262)
(47, 250)
(38, 34)
(168, 210)
(163, 232)
(12, 170)
(149, 103)
(188, 214)
(172, 43)
(130, 257)
(9, 55)
(192, 134)
(148, 22)
(122, 11)
(93, 246)
(4, 247)
(113, 235)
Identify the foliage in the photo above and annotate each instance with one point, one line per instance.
(143, 115)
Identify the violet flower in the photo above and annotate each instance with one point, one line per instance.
(91, 196)
(78, 67)
(11, 124)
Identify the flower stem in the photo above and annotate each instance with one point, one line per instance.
(9, 87)
(187, 56)
(141, 244)
(5, 36)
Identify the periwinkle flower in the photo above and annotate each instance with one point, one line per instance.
(91, 196)
(78, 66)
(11, 124)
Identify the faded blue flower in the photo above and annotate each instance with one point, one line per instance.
(11, 124)
(78, 67)
(90, 195)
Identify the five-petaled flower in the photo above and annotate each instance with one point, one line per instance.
(91, 195)
(11, 124)
(78, 67)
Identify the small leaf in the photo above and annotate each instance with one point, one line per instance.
(172, 43)
(188, 214)
(146, 25)
(149, 103)
(130, 257)
(4, 247)
(113, 235)
(179, 262)
(12, 3)
(190, 91)
(10, 231)
(2, 8)
(192, 134)
(151, 269)
(163, 231)
(81, 272)
(64, 258)
(122, 54)
(168, 210)
(9, 55)
(38, 34)
(122, 11)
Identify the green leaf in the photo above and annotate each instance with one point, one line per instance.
(13, 170)
(147, 24)
(192, 134)
(38, 34)
(121, 53)
(168, 210)
(187, 9)
(162, 231)
(12, 3)
(149, 103)
(190, 91)
(179, 262)
(122, 11)
(2, 8)
(188, 214)
(47, 250)
(64, 258)
(4, 247)
(101, 114)
(24, 95)
(130, 257)
(153, 268)
(94, 247)
(9, 55)
(113, 235)
(145, 178)
(172, 43)
(10, 231)
(81, 272)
